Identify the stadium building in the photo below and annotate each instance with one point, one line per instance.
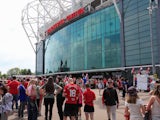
(97, 36)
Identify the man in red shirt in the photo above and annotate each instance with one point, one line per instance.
(71, 93)
(13, 89)
(26, 82)
(89, 97)
(8, 81)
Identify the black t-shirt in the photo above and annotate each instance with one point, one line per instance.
(110, 96)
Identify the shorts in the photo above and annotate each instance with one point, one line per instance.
(79, 105)
(70, 110)
(88, 108)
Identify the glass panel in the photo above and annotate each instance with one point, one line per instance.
(137, 32)
(88, 43)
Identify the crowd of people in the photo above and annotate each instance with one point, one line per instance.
(73, 93)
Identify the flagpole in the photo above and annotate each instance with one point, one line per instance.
(151, 8)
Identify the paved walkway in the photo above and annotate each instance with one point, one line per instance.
(100, 111)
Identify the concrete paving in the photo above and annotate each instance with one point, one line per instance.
(100, 110)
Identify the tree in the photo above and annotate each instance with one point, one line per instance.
(13, 71)
(17, 71)
(25, 72)
(29, 72)
(4, 76)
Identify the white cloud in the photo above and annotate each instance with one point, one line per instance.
(15, 49)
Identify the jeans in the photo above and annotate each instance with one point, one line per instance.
(15, 99)
(48, 102)
(59, 107)
(123, 93)
(111, 110)
(21, 108)
(32, 109)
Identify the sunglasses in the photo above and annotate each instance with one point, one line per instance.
(110, 82)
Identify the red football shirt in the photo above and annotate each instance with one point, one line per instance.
(71, 92)
(26, 84)
(89, 96)
(8, 81)
(13, 87)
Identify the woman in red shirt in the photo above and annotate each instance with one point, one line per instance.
(89, 97)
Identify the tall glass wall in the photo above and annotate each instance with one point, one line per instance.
(39, 58)
(137, 33)
(92, 42)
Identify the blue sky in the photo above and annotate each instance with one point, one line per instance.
(15, 49)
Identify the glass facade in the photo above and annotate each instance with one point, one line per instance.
(97, 41)
(137, 33)
(39, 58)
(92, 42)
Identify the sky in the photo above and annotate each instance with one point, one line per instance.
(15, 49)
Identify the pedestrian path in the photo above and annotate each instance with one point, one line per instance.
(100, 111)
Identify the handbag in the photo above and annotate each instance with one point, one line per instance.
(147, 115)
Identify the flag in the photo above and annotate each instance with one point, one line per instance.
(140, 69)
(148, 70)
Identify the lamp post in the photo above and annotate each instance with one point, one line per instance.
(152, 5)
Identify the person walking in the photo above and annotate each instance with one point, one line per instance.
(110, 99)
(23, 98)
(13, 89)
(5, 103)
(38, 97)
(89, 97)
(79, 102)
(49, 89)
(71, 93)
(32, 104)
(100, 86)
(154, 104)
(134, 107)
(60, 100)
(125, 87)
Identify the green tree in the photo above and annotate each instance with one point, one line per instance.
(13, 71)
(4, 75)
(25, 72)
(29, 72)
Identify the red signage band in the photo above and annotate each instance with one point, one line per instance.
(75, 14)
(68, 18)
(56, 25)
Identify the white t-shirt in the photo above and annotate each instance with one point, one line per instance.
(155, 108)
(134, 109)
